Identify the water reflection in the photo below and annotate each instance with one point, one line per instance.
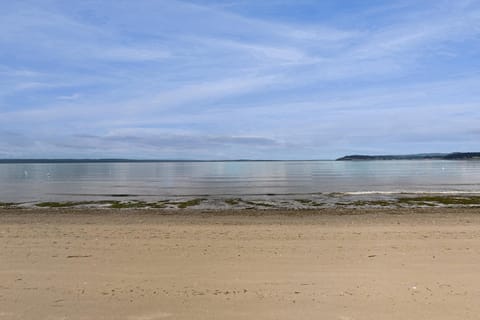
(33, 182)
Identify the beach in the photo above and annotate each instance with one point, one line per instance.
(342, 263)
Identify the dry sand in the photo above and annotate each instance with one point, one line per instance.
(329, 264)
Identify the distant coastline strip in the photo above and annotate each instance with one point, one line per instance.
(422, 156)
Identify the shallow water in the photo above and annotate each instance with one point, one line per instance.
(94, 181)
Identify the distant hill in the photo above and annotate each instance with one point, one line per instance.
(421, 156)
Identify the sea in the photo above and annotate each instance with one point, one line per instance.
(271, 181)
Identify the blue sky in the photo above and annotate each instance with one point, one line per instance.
(272, 79)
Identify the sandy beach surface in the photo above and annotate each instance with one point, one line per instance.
(340, 264)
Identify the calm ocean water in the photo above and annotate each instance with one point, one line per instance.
(80, 181)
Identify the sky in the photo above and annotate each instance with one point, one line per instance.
(245, 79)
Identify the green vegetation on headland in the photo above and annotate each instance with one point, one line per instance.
(422, 156)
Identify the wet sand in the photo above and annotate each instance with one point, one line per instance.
(327, 264)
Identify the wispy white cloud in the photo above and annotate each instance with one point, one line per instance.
(132, 54)
(73, 96)
(192, 69)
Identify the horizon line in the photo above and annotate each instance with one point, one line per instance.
(118, 160)
(126, 160)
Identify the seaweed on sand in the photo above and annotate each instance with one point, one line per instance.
(5, 205)
(443, 200)
(233, 201)
(189, 203)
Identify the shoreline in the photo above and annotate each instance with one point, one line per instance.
(192, 212)
(433, 216)
(349, 200)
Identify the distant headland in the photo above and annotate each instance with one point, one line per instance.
(421, 156)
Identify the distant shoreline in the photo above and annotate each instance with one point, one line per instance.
(357, 157)
(421, 156)
(53, 161)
